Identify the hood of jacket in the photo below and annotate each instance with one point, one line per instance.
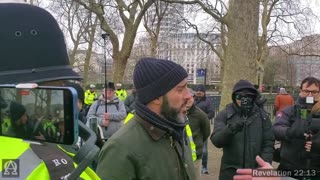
(241, 85)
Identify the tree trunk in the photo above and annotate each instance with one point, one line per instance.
(154, 45)
(240, 63)
(118, 67)
(91, 35)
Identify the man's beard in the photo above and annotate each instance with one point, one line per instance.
(171, 113)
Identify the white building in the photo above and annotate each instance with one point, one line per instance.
(187, 50)
(171, 22)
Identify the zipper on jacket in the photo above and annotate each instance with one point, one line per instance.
(244, 141)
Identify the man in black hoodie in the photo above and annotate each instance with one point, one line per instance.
(291, 128)
(243, 131)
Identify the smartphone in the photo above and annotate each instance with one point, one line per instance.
(43, 113)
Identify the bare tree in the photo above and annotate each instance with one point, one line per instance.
(127, 15)
(239, 49)
(271, 72)
(152, 23)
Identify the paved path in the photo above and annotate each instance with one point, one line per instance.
(214, 157)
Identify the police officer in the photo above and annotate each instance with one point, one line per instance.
(120, 93)
(292, 129)
(33, 49)
(89, 97)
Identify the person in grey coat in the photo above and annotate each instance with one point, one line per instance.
(243, 130)
(109, 119)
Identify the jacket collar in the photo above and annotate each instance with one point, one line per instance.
(154, 132)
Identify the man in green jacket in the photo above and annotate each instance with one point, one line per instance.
(153, 145)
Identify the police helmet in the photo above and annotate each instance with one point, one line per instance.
(32, 46)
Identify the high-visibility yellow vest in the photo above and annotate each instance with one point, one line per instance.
(30, 165)
(121, 94)
(192, 144)
(48, 124)
(189, 134)
(89, 97)
(6, 125)
(128, 118)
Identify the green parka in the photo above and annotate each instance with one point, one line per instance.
(141, 151)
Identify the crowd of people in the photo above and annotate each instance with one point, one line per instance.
(166, 136)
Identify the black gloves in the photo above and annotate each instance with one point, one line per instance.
(315, 125)
(236, 127)
(297, 129)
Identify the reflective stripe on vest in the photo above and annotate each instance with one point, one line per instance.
(192, 145)
(30, 165)
(28, 160)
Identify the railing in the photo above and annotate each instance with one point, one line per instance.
(215, 99)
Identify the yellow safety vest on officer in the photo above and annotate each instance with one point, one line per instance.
(89, 97)
(22, 162)
(48, 126)
(5, 125)
(188, 130)
(121, 94)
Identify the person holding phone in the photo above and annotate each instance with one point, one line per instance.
(33, 50)
(294, 130)
(243, 131)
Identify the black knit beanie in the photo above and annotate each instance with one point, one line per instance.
(155, 77)
(16, 111)
(201, 88)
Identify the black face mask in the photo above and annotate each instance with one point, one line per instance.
(246, 103)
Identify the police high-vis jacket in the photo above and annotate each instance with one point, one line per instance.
(121, 94)
(19, 161)
(89, 97)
